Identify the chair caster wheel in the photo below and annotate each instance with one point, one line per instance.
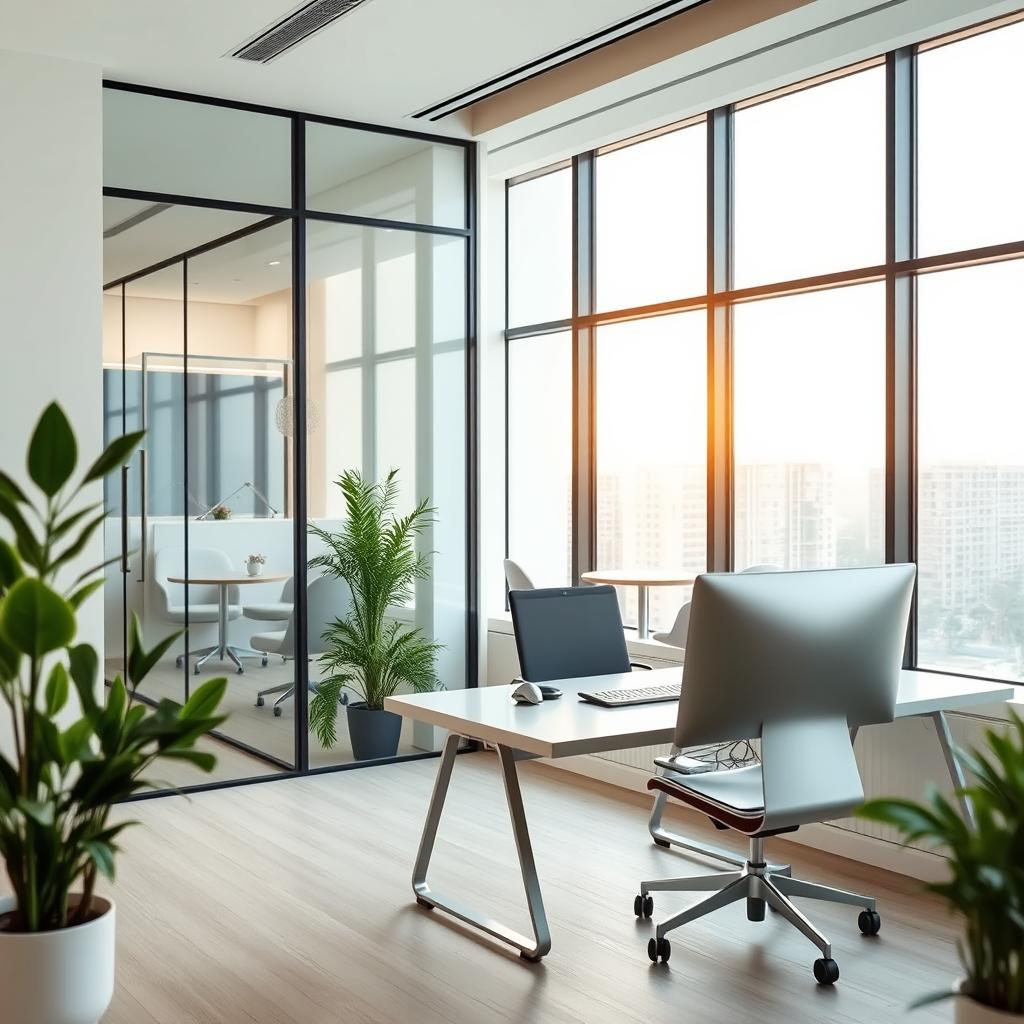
(663, 843)
(239, 671)
(260, 702)
(755, 909)
(826, 971)
(179, 661)
(869, 922)
(264, 662)
(277, 712)
(343, 699)
(195, 671)
(643, 906)
(659, 949)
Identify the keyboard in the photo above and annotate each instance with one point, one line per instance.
(621, 698)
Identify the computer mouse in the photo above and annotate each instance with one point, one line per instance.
(527, 693)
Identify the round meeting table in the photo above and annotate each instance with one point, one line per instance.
(223, 582)
(643, 580)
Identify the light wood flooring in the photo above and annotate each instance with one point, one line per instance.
(289, 903)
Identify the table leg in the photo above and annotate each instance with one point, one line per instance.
(956, 771)
(529, 949)
(642, 609)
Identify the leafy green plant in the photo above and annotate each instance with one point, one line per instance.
(56, 793)
(986, 863)
(374, 554)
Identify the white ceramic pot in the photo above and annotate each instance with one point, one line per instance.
(61, 977)
(968, 1011)
(254, 568)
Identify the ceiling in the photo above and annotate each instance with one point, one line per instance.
(379, 63)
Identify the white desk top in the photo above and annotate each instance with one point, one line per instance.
(560, 728)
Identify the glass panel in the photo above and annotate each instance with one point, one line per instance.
(651, 212)
(239, 439)
(652, 453)
(540, 457)
(374, 174)
(386, 342)
(970, 516)
(809, 429)
(151, 143)
(970, 148)
(540, 249)
(810, 181)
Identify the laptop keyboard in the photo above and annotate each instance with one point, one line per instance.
(620, 698)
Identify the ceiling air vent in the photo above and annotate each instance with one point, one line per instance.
(300, 23)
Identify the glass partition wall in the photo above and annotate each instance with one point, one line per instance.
(288, 300)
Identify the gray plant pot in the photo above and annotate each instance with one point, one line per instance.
(374, 733)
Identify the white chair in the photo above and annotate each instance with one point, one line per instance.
(203, 599)
(516, 578)
(819, 656)
(328, 599)
(676, 636)
(273, 611)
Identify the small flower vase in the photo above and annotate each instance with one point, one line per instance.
(254, 568)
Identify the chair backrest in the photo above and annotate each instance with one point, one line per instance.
(568, 632)
(328, 598)
(515, 577)
(288, 590)
(761, 568)
(792, 646)
(170, 561)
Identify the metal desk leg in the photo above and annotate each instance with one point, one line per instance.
(642, 609)
(956, 772)
(662, 837)
(529, 949)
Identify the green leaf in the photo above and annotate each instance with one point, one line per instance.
(57, 686)
(84, 665)
(10, 661)
(34, 619)
(79, 596)
(932, 997)
(140, 661)
(102, 855)
(74, 549)
(13, 491)
(10, 565)
(204, 702)
(75, 742)
(38, 811)
(200, 758)
(115, 454)
(61, 528)
(28, 546)
(53, 451)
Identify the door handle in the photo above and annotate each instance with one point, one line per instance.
(125, 567)
(142, 500)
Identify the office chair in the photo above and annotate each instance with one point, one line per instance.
(515, 577)
(568, 633)
(820, 656)
(328, 598)
(273, 611)
(676, 636)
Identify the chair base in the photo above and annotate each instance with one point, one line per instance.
(756, 884)
(287, 690)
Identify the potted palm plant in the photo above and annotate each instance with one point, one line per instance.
(64, 772)
(368, 652)
(986, 867)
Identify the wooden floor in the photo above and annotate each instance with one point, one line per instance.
(289, 903)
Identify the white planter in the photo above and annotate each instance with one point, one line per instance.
(254, 568)
(60, 977)
(967, 1011)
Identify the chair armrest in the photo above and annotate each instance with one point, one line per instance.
(636, 664)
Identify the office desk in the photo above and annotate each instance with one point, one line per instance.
(568, 726)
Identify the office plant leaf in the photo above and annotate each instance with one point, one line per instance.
(66, 773)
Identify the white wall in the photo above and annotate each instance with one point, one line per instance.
(51, 264)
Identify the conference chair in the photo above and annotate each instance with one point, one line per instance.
(568, 633)
(515, 576)
(328, 598)
(203, 599)
(676, 636)
(820, 655)
(273, 611)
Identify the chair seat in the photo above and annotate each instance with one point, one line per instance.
(270, 642)
(734, 797)
(272, 611)
(201, 613)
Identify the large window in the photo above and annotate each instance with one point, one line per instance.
(793, 344)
